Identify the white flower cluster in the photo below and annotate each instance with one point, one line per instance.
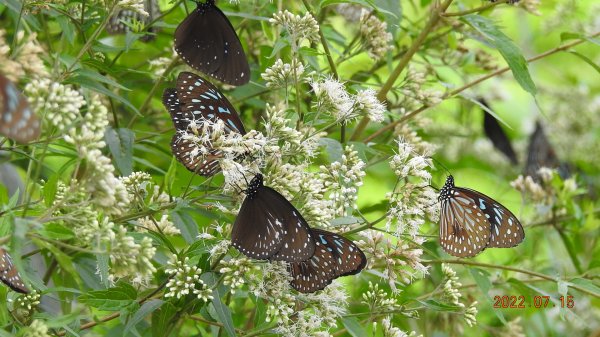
(378, 300)
(28, 302)
(531, 6)
(450, 286)
(401, 262)
(130, 258)
(551, 195)
(164, 225)
(185, 280)
(373, 32)
(235, 271)
(470, 314)
(134, 5)
(274, 286)
(350, 12)
(37, 328)
(407, 200)
(368, 104)
(332, 98)
(26, 60)
(343, 178)
(414, 94)
(290, 142)
(298, 27)
(280, 74)
(59, 104)
(389, 330)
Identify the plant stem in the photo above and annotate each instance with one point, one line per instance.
(434, 18)
(471, 84)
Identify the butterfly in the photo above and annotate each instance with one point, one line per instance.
(207, 42)
(269, 227)
(497, 136)
(116, 23)
(540, 153)
(17, 120)
(194, 100)
(471, 221)
(9, 274)
(334, 256)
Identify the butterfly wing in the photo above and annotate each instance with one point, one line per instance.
(17, 120)
(207, 41)
(184, 150)
(116, 23)
(506, 230)
(9, 275)
(334, 256)
(201, 100)
(298, 242)
(540, 153)
(498, 137)
(464, 228)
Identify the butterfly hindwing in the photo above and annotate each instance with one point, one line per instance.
(193, 101)
(17, 120)
(506, 230)
(9, 274)
(207, 41)
(334, 256)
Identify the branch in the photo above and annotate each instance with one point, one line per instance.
(471, 84)
(382, 94)
(517, 270)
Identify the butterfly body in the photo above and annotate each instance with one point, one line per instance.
(193, 101)
(207, 42)
(471, 221)
(17, 120)
(269, 227)
(334, 256)
(9, 274)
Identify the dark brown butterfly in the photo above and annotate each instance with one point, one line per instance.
(117, 23)
(540, 153)
(17, 121)
(269, 227)
(471, 221)
(9, 274)
(334, 256)
(194, 100)
(207, 42)
(497, 136)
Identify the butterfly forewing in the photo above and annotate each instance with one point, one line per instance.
(207, 41)
(464, 229)
(200, 99)
(269, 227)
(334, 256)
(17, 120)
(9, 275)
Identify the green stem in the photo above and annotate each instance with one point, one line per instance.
(382, 94)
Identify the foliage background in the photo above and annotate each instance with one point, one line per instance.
(76, 276)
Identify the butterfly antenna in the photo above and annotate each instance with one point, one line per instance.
(442, 165)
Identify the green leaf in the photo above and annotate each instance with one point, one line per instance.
(64, 260)
(509, 51)
(223, 314)
(587, 285)
(120, 143)
(163, 318)
(185, 223)
(50, 190)
(364, 3)
(56, 231)
(353, 326)
(572, 36)
(171, 175)
(438, 306)
(482, 279)
(586, 60)
(346, 220)
(145, 310)
(334, 149)
(113, 299)
(97, 87)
